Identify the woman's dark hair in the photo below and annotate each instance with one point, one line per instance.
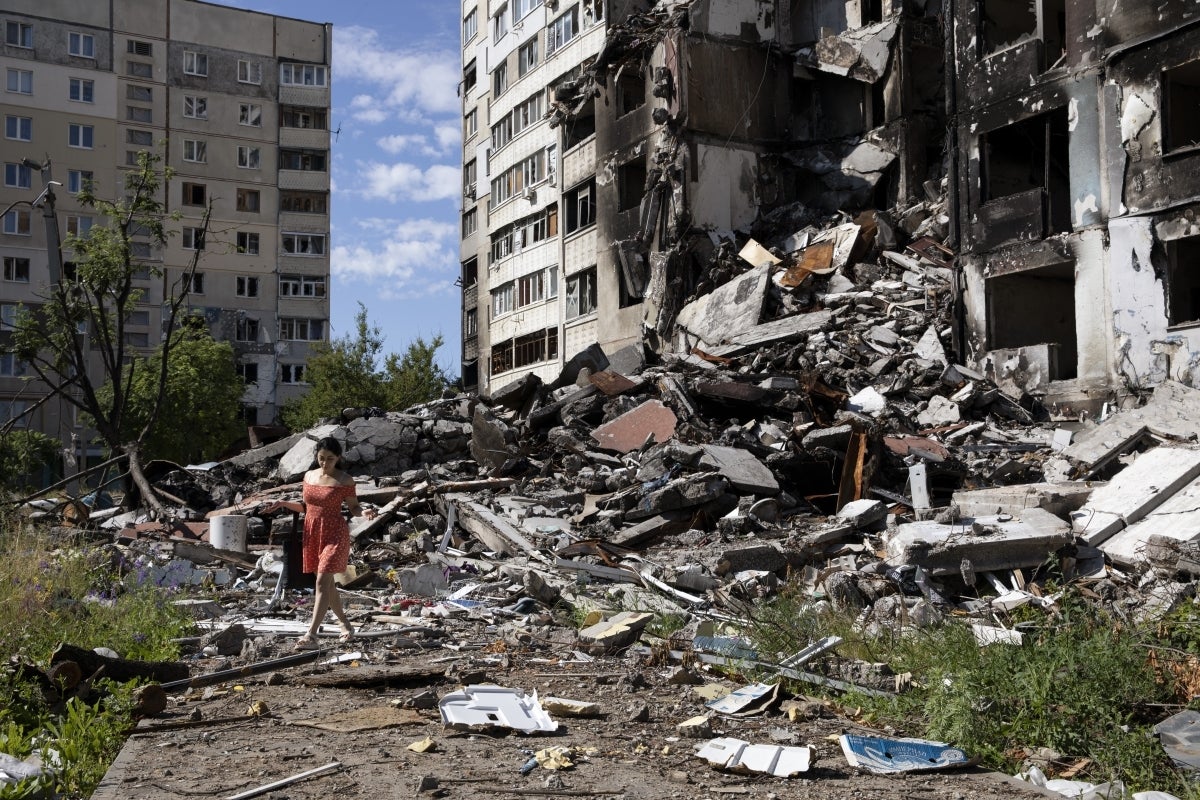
(331, 444)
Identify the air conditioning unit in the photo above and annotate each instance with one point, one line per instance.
(531, 194)
(552, 5)
(469, 192)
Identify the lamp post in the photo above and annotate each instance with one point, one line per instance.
(45, 201)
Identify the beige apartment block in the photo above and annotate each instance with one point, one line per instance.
(238, 104)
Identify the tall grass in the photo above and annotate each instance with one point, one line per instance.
(1084, 683)
(55, 590)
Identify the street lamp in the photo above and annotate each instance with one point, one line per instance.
(45, 201)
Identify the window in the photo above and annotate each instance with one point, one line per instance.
(1181, 93)
(18, 34)
(303, 202)
(16, 270)
(11, 366)
(471, 323)
(247, 157)
(137, 339)
(138, 114)
(79, 225)
(247, 244)
(469, 180)
(137, 48)
(134, 136)
(142, 94)
(301, 330)
(249, 71)
(562, 30)
(631, 93)
(249, 370)
(470, 273)
(502, 300)
(581, 293)
(500, 79)
(303, 75)
(469, 79)
(194, 194)
(631, 184)
(18, 176)
(470, 26)
(531, 289)
(291, 373)
(527, 57)
(301, 285)
(250, 114)
(518, 178)
(82, 90)
(18, 128)
(500, 24)
(139, 317)
(552, 282)
(246, 330)
(247, 285)
(470, 123)
(249, 200)
(195, 107)
(8, 316)
(593, 12)
(580, 207)
(193, 283)
(470, 222)
(195, 150)
(195, 63)
(16, 223)
(525, 350)
(306, 160)
(141, 250)
(20, 81)
(304, 244)
(522, 7)
(301, 117)
(502, 245)
(1183, 280)
(193, 239)
(139, 69)
(81, 44)
(542, 226)
(527, 113)
(78, 180)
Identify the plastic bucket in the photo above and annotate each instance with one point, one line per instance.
(228, 532)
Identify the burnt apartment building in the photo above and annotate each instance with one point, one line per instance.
(612, 146)
(1078, 186)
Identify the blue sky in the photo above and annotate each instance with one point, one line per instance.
(396, 160)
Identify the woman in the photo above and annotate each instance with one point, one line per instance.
(327, 536)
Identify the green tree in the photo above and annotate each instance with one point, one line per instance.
(415, 377)
(340, 374)
(198, 418)
(23, 454)
(75, 341)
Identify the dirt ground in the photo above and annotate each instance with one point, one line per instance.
(213, 748)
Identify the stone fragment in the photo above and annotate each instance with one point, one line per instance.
(631, 430)
(741, 467)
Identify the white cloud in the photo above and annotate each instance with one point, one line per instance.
(408, 78)
(448, 135)
(408, 182)
(414, 258)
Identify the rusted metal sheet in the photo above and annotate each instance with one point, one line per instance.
(907, 444)
(611, 383)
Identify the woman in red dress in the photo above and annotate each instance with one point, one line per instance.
(327, 536)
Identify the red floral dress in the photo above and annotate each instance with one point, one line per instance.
(326, 533)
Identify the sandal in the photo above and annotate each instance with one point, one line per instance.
(347, 637)
(306, 642)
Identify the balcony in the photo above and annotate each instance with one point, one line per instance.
(318, 96)
(303, 180)
(307, 138)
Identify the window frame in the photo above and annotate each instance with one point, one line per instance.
(556, 34)
(199, 151)
(14, 122)
(288, 69)
(24, 37)
(192, 238)
(81, 38)
(81, 90)
(250, 115)
(195, 106)
(247, 68)
(14, 267)
(24, 80)
(78, 179)
(248, 243)
(81, 136)
(246, 285)
(298, 236)
(248, 201)
(249, 157)
(17, 176)
(195, 63)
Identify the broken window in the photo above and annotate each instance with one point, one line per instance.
(303, 117)
(1003, 23)
(1036, 307)
(246, 330)
(500, 79)
(580, 207)
(1180, 102)
(471, 322)
(562, 30)
(470, 273)
(303, 202)
(502, 300)
(470, 78)
(1030, 158)
(581, 126)
(631, 93)
(631, 184)
(1183, 280)
(581, 293)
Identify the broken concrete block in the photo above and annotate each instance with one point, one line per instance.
(629, 360)
(863, 513)
(426, 580)
(867, 401)
(685, 492)
(762, 557)
(726, 311)
(301, 457)
(1177, 520)
(593, 359)
(631, 430)
(698, 727)
(1060, 499)
(1171, 413)
(493, 443)
(615, 633)
(989, 543)
(835, 438)
(1135, 491)
(516, 394)
(938, 413)
(741, 467)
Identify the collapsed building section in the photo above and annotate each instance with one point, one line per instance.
(681, 128)
(1075, 176)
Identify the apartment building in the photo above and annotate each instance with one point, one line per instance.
(238, 103)
(610, 146)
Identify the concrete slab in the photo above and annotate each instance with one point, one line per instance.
(1059, 499)
(729, 309)
(1171, 413)
(1137, 490)
(629, 431)
(989, 543)
(1177, 519)
(741, 467)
